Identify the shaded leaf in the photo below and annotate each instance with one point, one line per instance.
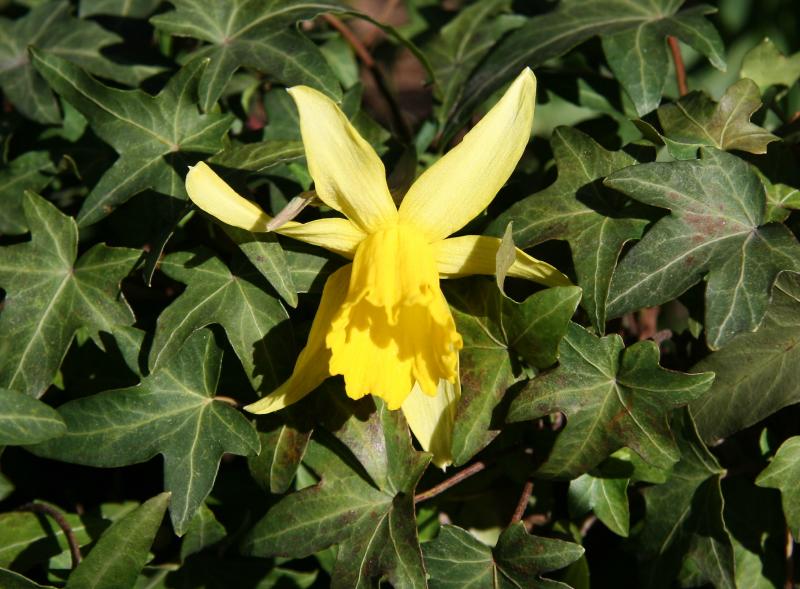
(574, 21)
(123, 549)
(697, 121)
(684, 522)
(457, 559)
(24, 420)
(257, 157)
(255, 35)
(496, 330)
(49, 296)
(12, 580)
(265, 253)
(757, 373)
(284, 439)
(255, 322)
(612, 397)
(50, 26)
(783, 473)
(578, 208)
(717, 227)
(374, 528)
(173, 413)
(462, 42)
(767, 66)
(126, 8)
(30, 171)
(156, 137)
(203, 531)
(606, 496)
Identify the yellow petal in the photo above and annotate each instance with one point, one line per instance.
(462, 183)
(476, 254)
(311, 367)
(348, 174)
(213, 195)
(432, 419)
(394, 328)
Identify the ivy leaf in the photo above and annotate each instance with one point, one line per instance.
(24, 420)
(172, 412)
(12, 580)
(457, 559)
(578, 208)
(284, 438)
(607, 496)
(684, 520)
(124, 8)
(255, 35)
(49, 296)
(462, 42)
(717, 227)
(636, 49)
(612, 397)
(783, 473)
(156, 137)
(203, 531)
(122, 550)
(496, 330)
(697, 121)
(265, 253)
(257, 157)
(50, 26)
(374, 528)
(30, 171)
(255, 322)
(767, 66)
(757, 373)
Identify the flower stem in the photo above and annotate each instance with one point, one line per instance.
(522, 504)
(680, 69)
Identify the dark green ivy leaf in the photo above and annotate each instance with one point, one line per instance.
(123, 549)
(157, 137)
(172, 412)
(374, 528)
(12, 580)
(125, 8)
(252, 34)
(606, 496)
(757, 373)
(684, 523)
(717, 227)
(461, 44)
(783, 473)
(24, 420)
(634, 42)
(49, 296)
(50, 26)
(496, 332)
(30, 171)
(578, 208)
(612, 397)
(255, 322)
(697, 121)
(203, 531)
(456, 559)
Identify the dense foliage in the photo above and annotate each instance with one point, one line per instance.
(638, 429)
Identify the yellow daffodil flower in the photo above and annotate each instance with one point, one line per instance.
(383, 322)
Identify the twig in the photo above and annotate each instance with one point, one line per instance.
(472, 469)
(375, 32)
(522, 504)
(587, 525)
(789, 559)
(680, 69)
(366, 58)
(58, 517)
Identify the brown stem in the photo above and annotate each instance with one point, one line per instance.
(522, 504)
(58, 517)
(680, 69)
(374, 32)
(369, 62)
(472, 469)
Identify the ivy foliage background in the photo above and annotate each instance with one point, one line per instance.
(640, 429)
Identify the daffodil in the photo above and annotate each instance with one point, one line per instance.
(383, 322)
